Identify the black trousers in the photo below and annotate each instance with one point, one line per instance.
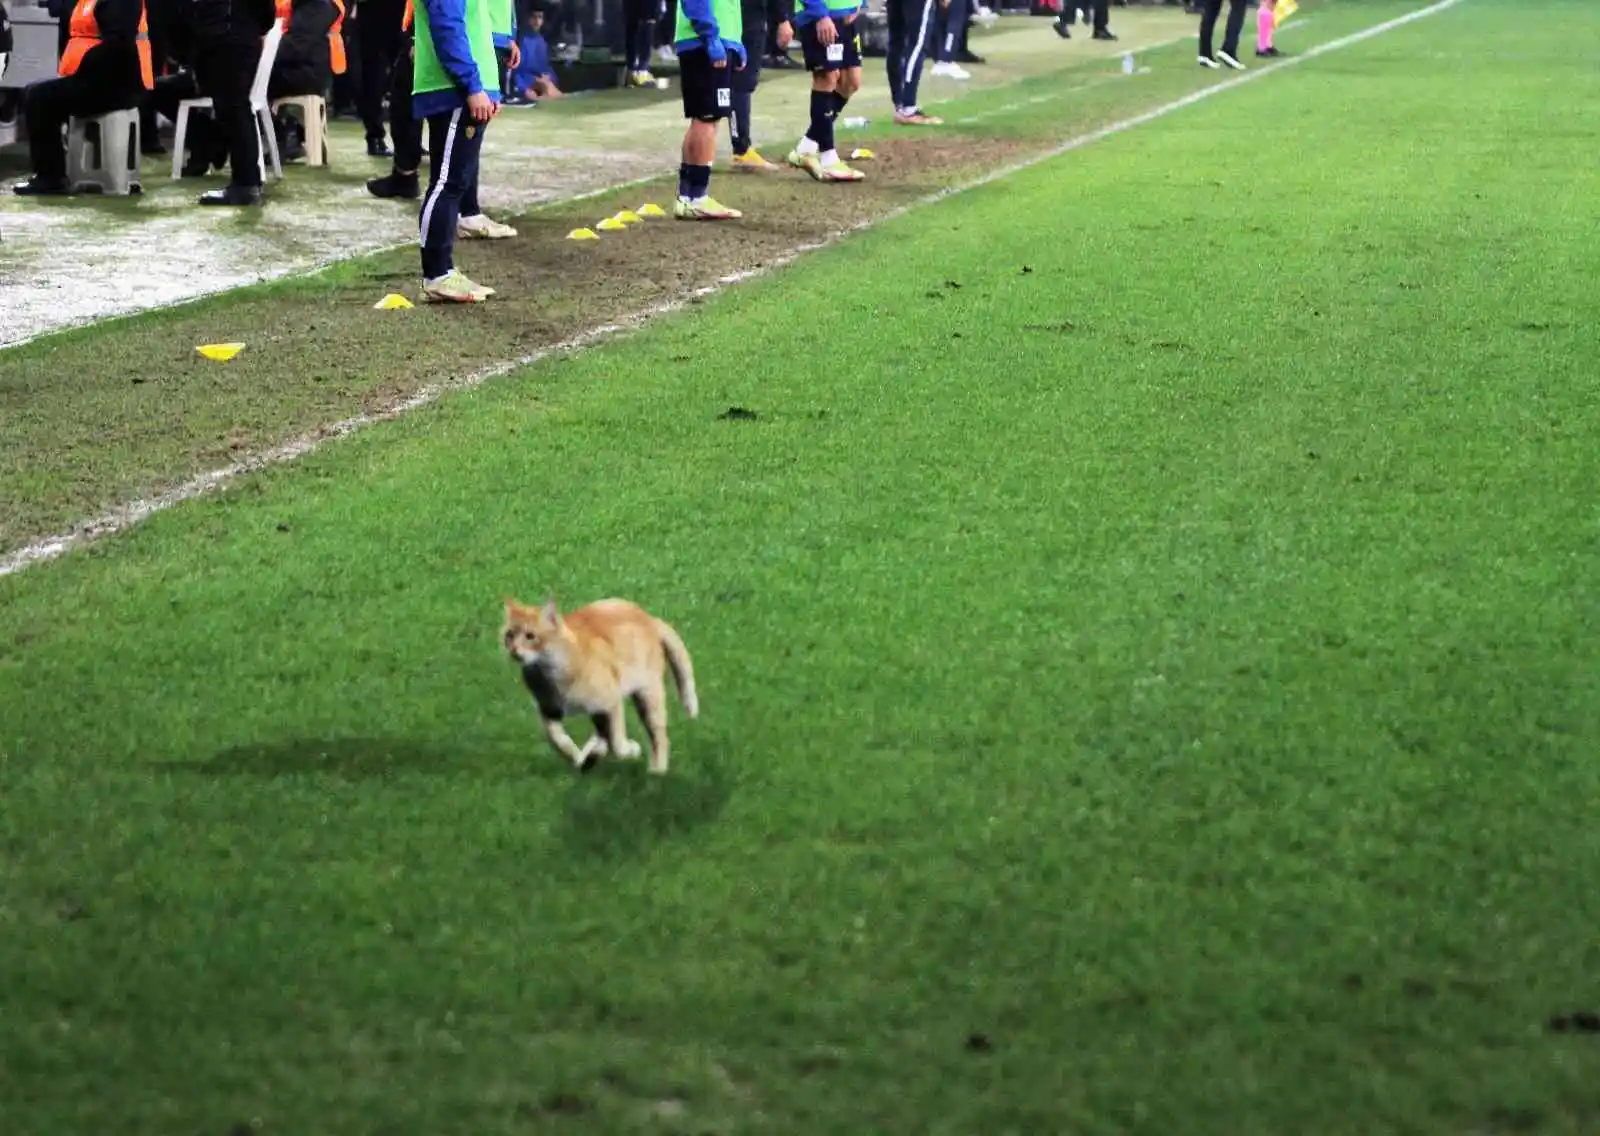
(404, 126)
(107, 79)
(225, 68)
(1230, 35)
(639, 20)
(1101, 13)
(380, 39)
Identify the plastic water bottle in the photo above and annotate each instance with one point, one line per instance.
(1127, 64)
(854, 122)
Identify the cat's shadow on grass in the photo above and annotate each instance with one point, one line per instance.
(616, 809)
(620, 809)
(353, 759)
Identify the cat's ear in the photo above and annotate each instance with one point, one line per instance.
(551, 613)
(512, 606)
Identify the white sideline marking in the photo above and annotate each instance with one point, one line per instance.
(126, 516)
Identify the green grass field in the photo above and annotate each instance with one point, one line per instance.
(1149, 647)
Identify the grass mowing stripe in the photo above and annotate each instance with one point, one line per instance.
(119, 519)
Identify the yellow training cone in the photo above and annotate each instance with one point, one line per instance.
(861, 154)
(649, 210)
(220, 352)
(629, 217)
(610, 225)
(392, 301)
(583, 235)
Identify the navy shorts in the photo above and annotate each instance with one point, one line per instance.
(842, 55)
(707, 94)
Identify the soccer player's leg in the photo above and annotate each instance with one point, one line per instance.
(744, 82)
(707, 99)
(815, 152)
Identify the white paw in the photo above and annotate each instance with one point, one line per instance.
(630, 748)
(598, 747)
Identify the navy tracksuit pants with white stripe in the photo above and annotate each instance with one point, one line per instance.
(911, 25)
(454, 142)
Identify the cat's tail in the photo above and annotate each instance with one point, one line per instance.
(682, 668)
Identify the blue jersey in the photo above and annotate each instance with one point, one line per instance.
(535, 60)
(810, 11)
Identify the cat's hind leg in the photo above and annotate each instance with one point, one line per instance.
(651, 703)
(616, 733)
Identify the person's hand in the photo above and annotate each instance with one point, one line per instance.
(516, 52)
(827, 34)
(480, 106)
(785, 35)
(723, 62)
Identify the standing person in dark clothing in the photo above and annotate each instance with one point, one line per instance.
(1229, 55)
(378, 33)
(911, 25)
(760, 18)
(227, 47)
(639, 19)
(106, 66)
(1100, 13)
(404, 126)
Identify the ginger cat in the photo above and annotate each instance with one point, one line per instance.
(588, 661)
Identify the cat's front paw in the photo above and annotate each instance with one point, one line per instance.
(630, 748)
(598, 747)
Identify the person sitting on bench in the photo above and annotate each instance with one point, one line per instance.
(105, 67)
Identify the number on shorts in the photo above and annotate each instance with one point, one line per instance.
(836, 51)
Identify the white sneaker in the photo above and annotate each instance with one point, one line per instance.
(481, 227)
(952, 71)
(1207, 61)
(1230, 61)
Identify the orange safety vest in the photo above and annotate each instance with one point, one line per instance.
(409, 17)
(336, 59)
(85, 32)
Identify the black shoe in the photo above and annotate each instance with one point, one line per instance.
(37, 186)
(1062, 30)
(1103, 33)
(395, 184)
(1270, 53)
(234, 195)
(378, 148)
(970, 57)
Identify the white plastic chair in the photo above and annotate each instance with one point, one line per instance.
(258, 108)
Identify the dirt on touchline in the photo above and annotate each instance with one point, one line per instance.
(153, 414)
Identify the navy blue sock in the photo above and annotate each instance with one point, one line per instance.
(739, 122)
(693, 181)
(839, 103)
(822, 113)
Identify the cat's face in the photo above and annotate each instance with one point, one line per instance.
(530, 632)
